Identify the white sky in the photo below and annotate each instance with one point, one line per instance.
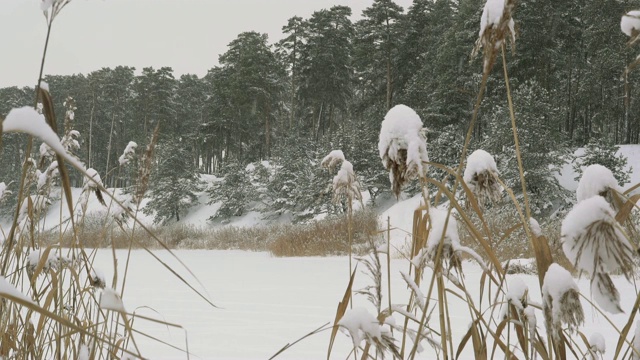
(187, 35)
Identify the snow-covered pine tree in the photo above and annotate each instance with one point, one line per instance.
(602, 153)
(234, 191)
(299, 185)
(543, 150)
(174, 183)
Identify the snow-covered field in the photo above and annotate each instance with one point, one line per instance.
(267, 302)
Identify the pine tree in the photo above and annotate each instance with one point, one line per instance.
(174, 183)
(234, 192)
(326, 70)
(376, 50)
(602, 153)
(542, 149)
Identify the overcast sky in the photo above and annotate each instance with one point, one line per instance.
(187, 35)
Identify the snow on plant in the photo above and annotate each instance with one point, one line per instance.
(110, 300)
(519, 309)
(128, 154)
(3, 190)
(51, 9)
(448, 237)
(481, 176)
(535, 227)
(97, 279)
(598, 346)
(28, 120)
(561, 301)
(44, 261)
(45, 179)
(6, 288)
(595, 243)
(33, 204)
(364, 326)
(335, 158)
(517, 294)
(46, 153)
(92, 183)
(496, 25)
(630, 24)
(596, 180)
(345, 183)
(403, 146)
(120, 214)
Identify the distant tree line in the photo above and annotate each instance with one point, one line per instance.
(328, 83)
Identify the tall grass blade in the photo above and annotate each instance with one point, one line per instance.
(342, 309)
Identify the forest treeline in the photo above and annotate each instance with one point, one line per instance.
(328, 83)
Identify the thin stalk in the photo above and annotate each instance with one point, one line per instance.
(25, 165)
(444, 334)
(350, 231)
(389, 262)
(515, 139)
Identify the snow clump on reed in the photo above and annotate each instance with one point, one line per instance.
(403, 146)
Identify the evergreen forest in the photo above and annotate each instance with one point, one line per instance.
(328, 83)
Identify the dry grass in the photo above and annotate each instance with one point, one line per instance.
(319, 238)
(327, 237)
(510, 241)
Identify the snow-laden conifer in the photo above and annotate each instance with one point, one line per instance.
(403, 146)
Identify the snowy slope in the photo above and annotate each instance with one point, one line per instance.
(399, 212)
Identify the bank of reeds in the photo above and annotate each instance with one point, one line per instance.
(54, 304)
(596, 238)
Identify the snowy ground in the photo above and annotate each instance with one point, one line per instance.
(267, 302)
